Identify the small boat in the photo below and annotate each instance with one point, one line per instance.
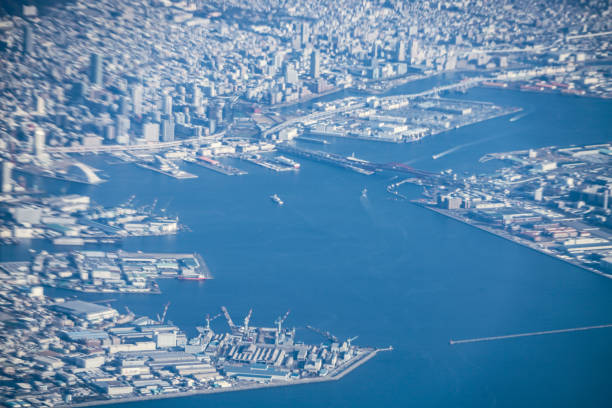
(364, 193)
(276, 199)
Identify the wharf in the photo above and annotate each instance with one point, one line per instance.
(180, 174)
(359, 166)
(267, 164)
(220, 168)
(201, 269)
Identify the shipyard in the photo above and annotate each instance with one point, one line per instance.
(77, 353)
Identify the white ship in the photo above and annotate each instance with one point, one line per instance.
(276, 199)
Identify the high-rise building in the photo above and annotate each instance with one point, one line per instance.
(40, 105)
(167, 130)
(305, 33)
(291, 75)
(167, 105)
(209, 90)
(150, 132)
(7, 179)
(137, 92)
(414, 51)
(28, 40)
(123, 126)
(109, 132)
(78, 91)
(315, 64)
(219, 112)
(197, 95)
(39, 142)
(296, 42)
(376, 50)
(278, 59)
(95, 69)
(401, 51)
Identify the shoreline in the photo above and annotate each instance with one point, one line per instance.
(507, 237)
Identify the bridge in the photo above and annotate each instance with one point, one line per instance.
(588, 35)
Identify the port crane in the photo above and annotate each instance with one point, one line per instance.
(228, 318)
(208, 319)
(349, 341)
(279, 322)
(280, 337)
(326, 334)
(163, 316)
(129, 201)
(247, 319)
(153, 206)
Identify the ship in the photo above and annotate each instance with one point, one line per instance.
(288, 162)
(364, 193)
(276, 199)
(192, 277)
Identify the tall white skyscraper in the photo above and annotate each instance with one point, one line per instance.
(39, 142)
(7, 180)
(167, 105)
(123, 126)
(315, 64)
(137, 100)
(167, 129)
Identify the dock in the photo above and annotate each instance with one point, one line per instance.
(267, 164)
(179, 174)
(357, 165)
(220, 168)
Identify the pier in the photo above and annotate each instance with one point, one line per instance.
(354, 164)
(219, 168)
(178, 174)
(530, 334)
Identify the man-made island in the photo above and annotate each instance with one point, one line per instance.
(554, 200)
(60, 352)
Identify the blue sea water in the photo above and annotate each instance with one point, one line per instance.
(386, 270)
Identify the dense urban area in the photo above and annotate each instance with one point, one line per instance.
(169, 85)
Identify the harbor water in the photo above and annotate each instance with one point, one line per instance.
(388, 271)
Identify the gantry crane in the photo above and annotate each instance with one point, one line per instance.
(228, 318)
(163, 316)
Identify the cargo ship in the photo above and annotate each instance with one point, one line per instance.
(276, 199)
